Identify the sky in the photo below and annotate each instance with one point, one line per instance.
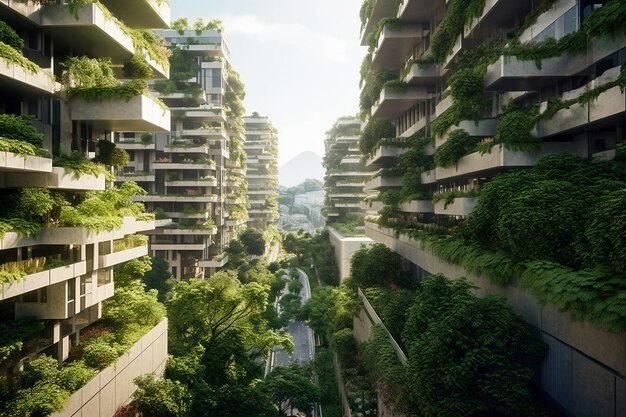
(298, 59)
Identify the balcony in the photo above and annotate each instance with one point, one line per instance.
(417, 206)
(482, 128)
(385, 156)
(147, 14)
(182, 148)
(415, 11)
(234, 223)
(135, 146)
(424, 75)
(216, 134)
(182, 165)
(500, 159)
(140, 113)
(382, 9)
(41, 82)
(136, 176)
(208, 114)
(429, 177)
(215, 262)
(380, 183)
(393, 104)
(497, 13)
(12, 162)
(178, 198)
(394, 45)
(461, 206)
(181, 231)
(116, 258)
(42, 279)
(192, 183)
(178, 246)
(91, 32)
(187, 215)
(59, 178)
(74, 235)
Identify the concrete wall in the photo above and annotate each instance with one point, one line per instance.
(585, 367)
(345, 247)
(113, 387)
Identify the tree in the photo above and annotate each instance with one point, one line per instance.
(159, 278)
(468, 356)
(253, 242)
(329, 309)
(291, 387)
(202, 311)
(376, 265)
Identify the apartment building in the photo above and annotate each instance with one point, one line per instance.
(71, 76)
(344, 182)
(454, 95)
(195, 173)
(262, 171)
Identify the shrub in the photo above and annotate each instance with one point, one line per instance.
(75, 375)
(374, 132)
(376, 265)
(459, 144)
(10, 37)
(99, 354)
(18, 128)
(137, 68)
(161, 398)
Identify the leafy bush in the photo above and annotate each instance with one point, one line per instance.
(137, 68)
(10, 54)
(161, 398)
(343, 344)
(75, 375)
(467, 355)
(376, 265)
(18, 128)
(375, 131)
(99, 354)
(10, 37)
(459, 144)
(78, 163)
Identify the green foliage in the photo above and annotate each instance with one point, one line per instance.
(328, 310)
(9, 53)
(384, 367)
(14, 334)
(78, 163)
(375, 265)
(124, 91)
(323, 256)
(104, 210)
(161, 398)
(343, 344)
(375, 131)
(374, 36)
(9, 37)
(21, 148)
(468, 355)
(137, 68)
(373, 86)
(292, 387)
(18, 128)
(158, 278)
(75, 375)
(99, 354)
(459, 14)
(85, 72)
(448, 196)
(515, 130)
(458, 144)
(467, 88)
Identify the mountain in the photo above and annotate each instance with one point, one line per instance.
(305, 165)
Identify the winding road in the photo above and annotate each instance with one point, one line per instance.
(300, 331)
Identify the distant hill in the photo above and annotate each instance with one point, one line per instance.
(305, 165)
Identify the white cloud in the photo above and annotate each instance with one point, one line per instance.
(330, 47)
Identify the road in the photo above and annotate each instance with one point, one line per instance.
(301, 333)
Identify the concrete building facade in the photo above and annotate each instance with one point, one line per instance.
(195, 173)
(262, 171)
(583, 374)
(71, 77)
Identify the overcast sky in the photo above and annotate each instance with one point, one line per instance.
(299, 60)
